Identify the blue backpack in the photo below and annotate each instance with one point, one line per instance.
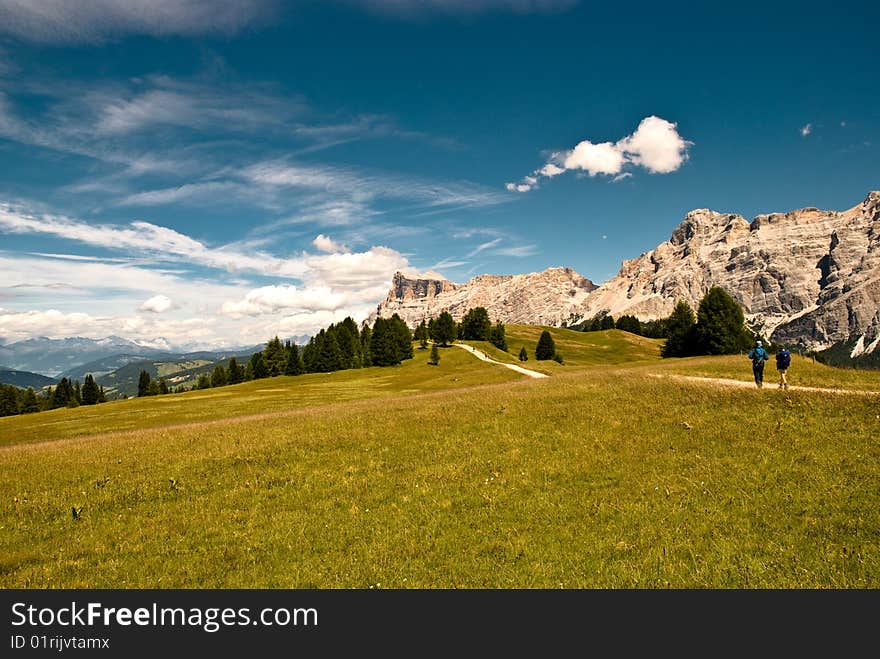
(783, 359)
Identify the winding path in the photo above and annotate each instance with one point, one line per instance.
(479, 354)
(751, 385)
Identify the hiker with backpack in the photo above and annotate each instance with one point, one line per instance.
(783, 361)
(758, 356)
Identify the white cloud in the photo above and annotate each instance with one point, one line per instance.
(354, 270)
(60, 21)
(656, 146)
(806, 130)
(56, 324)
(146, 238)
(550, 170)
(339, 283)
(158, 304)
(604, 158)
(327, 244)
(271, 299)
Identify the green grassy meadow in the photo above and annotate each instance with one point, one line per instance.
(464, 474)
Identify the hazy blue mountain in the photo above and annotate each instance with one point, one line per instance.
(53, 357)
(24, 379)
(176, 369)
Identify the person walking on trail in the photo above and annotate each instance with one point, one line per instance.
(758, 356)
(783, 361)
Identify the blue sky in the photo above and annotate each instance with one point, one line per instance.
(214, 173)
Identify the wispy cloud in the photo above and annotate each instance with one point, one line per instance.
(334, 283)
(360, 186)
(516, 251)
(482, 247)
(92, 21)
(655, 146)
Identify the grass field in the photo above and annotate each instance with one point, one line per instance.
(460, 475)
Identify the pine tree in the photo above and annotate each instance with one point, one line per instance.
(546, 347)
(236, 372)
(330, 357)
(143, 383)
(274, 357)
(62, 395)
(384, 343)
(403, 337)
(349, 340)
(77, 394)
(497, 338)
(294, 364)
(102, 397)
(475, 326)
(90, 391)
(204, 382)
(29, 402)
(8, 400)
(523, 355)
(629, 324)
(219, 378)
(153, 388)
(679, 331)
(445, 329)
(421, 334)
(366, 339)
(435, 355)
(257, 366)
(720, 328)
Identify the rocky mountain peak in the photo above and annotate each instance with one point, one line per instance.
(547, 297)
(807, 277)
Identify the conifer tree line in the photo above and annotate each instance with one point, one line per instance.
(717, 328)
(339, 347)
(67, 393)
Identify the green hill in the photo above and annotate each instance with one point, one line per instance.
(461, 475)
(578, 349)
(25, 379)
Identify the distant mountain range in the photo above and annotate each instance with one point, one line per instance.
(52, 357)
(176, 369)
(73, 357)
(809, 278)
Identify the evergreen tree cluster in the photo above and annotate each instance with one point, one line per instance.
(338, 347)
(654, 329)
(443, 329)
(66, 393)
(717, 329)
(341, 346)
